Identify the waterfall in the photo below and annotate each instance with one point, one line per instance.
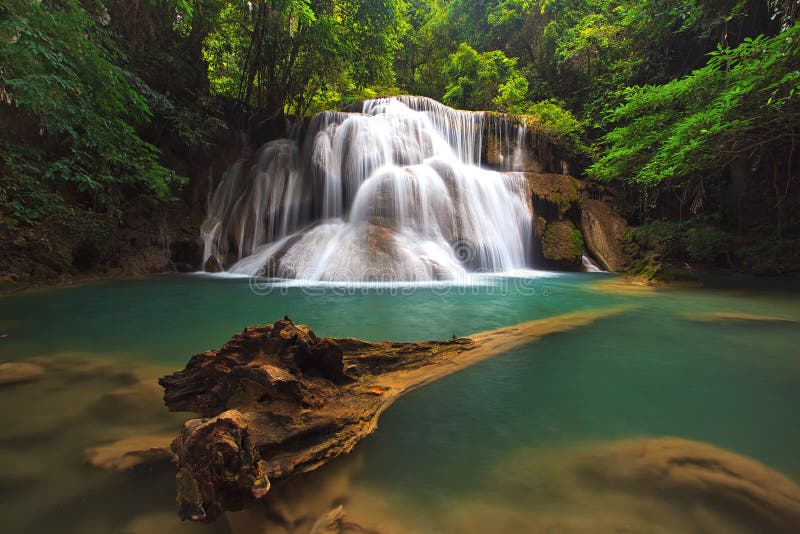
(392, 191)
(590, 266)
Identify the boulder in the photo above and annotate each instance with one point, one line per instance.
(144, 260)
(213, 265)
(555, 196)
(604, 231)
(562, 245)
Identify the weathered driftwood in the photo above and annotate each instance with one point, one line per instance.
(276, 400)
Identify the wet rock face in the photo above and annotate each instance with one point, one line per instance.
(562, 244)
(556, 200)
(604, 231)
(555, 196)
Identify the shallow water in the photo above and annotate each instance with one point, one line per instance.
(667, 367)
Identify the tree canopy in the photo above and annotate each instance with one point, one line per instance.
(688, 96)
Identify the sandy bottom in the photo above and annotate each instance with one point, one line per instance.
(661, 485)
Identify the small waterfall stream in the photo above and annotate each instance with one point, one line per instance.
(393, 192)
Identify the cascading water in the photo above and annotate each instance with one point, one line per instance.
(394, 192)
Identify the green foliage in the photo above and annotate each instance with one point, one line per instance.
(294, 54)
(664, 237)
(424, 49)
(83, 83)
(559, 125)
(483, 80)
(745, 99)
(222, 50)
(60, 80)
(25, 202)
(512, 95)
(706, 243)
(699, 240)
(577, 241)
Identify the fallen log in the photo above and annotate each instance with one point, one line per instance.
(276, 400)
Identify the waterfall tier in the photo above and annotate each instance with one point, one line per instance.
(392, 192)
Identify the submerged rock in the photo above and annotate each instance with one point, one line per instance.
(16, 372)
(330, 523)
(159, 523)
(698, 471)
(335, 522)
(738, 317)
(656, 485)
(138, 402)
(131, 452)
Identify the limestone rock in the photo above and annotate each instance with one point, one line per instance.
(562, 244)
(604, 231)
(738, 317)
(186, 253)
(554, 195)
(144, 260)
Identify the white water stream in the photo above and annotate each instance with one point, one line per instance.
(392, 193)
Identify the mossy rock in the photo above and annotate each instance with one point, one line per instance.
(559, 192)
(562, 244)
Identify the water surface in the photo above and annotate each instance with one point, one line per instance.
(667, 367)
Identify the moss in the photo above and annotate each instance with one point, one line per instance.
(647, 268)
(577, 240)
(562, 242)
(559, 190)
